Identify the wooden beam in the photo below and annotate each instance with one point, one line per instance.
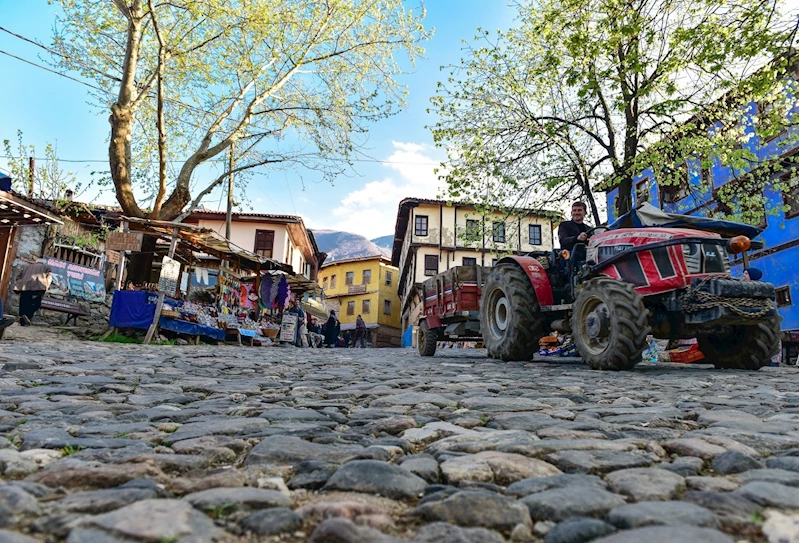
(160, 304)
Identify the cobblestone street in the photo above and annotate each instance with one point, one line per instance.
(114, 443)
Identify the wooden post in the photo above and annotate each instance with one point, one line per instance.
(159, 305)
(122, 262)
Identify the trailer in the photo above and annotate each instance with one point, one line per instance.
(451, 307)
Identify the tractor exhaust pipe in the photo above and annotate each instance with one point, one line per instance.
(562, 325)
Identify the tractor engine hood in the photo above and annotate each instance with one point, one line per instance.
(646, 215)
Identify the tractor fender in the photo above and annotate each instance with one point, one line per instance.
(433, 321)
(537, 275)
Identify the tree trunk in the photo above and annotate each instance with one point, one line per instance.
(624, 201)
(119, 157)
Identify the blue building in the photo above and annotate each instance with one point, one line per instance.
(697, 193)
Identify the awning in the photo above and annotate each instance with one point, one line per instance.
(646, 214)
(205, 240)
(17, 210)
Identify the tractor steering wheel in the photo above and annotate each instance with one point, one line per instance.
(595, 229)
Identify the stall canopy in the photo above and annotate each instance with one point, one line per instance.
(16, 210)
(209, 242)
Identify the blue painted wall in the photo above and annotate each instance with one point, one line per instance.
(780, 268)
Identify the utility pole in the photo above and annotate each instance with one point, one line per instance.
(32, 170)
(229, 217)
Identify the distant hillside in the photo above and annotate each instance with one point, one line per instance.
(385, 242)
(341, 245)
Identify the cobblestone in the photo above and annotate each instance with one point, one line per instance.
(108, 442)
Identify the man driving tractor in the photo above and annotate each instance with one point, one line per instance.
(573, 231)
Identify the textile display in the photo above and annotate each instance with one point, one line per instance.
(283, 292)
(264, 292)
(132, 309)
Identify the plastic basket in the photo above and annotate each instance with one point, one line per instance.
(686, 356)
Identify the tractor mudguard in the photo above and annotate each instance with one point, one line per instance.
(433, 321)
(537, 275)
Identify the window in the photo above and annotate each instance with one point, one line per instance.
(430, 264)
(499, 232)
(642, 190)
(349, 278)
(784, 296)
(535, 234)
(494, 261)
(264, 243)
(386, 307)
(472, 228)
(350, 308)
(420, 225)
(389, 278)
(367, 277)
(333, 281)
(366, 306)
(790, 196)
(469, 261)
(324, 283)
(678, 187)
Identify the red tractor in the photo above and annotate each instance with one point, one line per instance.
(647, 273)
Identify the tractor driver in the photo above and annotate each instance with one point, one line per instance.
(573, 231)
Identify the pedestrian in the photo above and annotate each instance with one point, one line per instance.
(5, 322)
(752, 274)
(360, 333)
(573, 231)
(332, 329)
(31, 284)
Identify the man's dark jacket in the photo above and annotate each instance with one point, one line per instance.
(568, 232)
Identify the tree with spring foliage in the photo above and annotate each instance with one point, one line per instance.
(50, 180)
(284, 83)
(581, 93)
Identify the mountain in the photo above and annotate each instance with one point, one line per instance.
(340, 245)
(385, 242)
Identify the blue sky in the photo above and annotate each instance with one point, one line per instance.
(49, 108)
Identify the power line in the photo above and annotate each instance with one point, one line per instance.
(53, 71)
(180, 161)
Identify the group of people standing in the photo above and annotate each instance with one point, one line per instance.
(331, 330)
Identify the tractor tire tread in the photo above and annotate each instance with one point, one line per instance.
(755, 346)
(428, 337)
(632, 327)
(526, 323)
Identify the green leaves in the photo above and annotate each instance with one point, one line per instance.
(574, 94)
(293, 82)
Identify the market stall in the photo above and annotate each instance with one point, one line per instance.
(246, 302)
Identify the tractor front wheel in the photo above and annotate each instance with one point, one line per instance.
(609, 323)
(743, 347)
(510, 317)
(427, 339)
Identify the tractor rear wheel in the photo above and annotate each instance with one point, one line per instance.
(743, 347)
(427, 339)
(609, 323)
(510, 317)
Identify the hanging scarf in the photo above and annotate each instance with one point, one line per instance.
(265, 297)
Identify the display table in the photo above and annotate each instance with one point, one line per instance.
(131, 309)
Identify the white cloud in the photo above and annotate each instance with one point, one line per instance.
(372, 210)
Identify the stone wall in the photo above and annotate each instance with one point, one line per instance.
(30, 240)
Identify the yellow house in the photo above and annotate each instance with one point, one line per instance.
(365, 286)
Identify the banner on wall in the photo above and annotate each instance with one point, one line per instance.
(70, 279)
